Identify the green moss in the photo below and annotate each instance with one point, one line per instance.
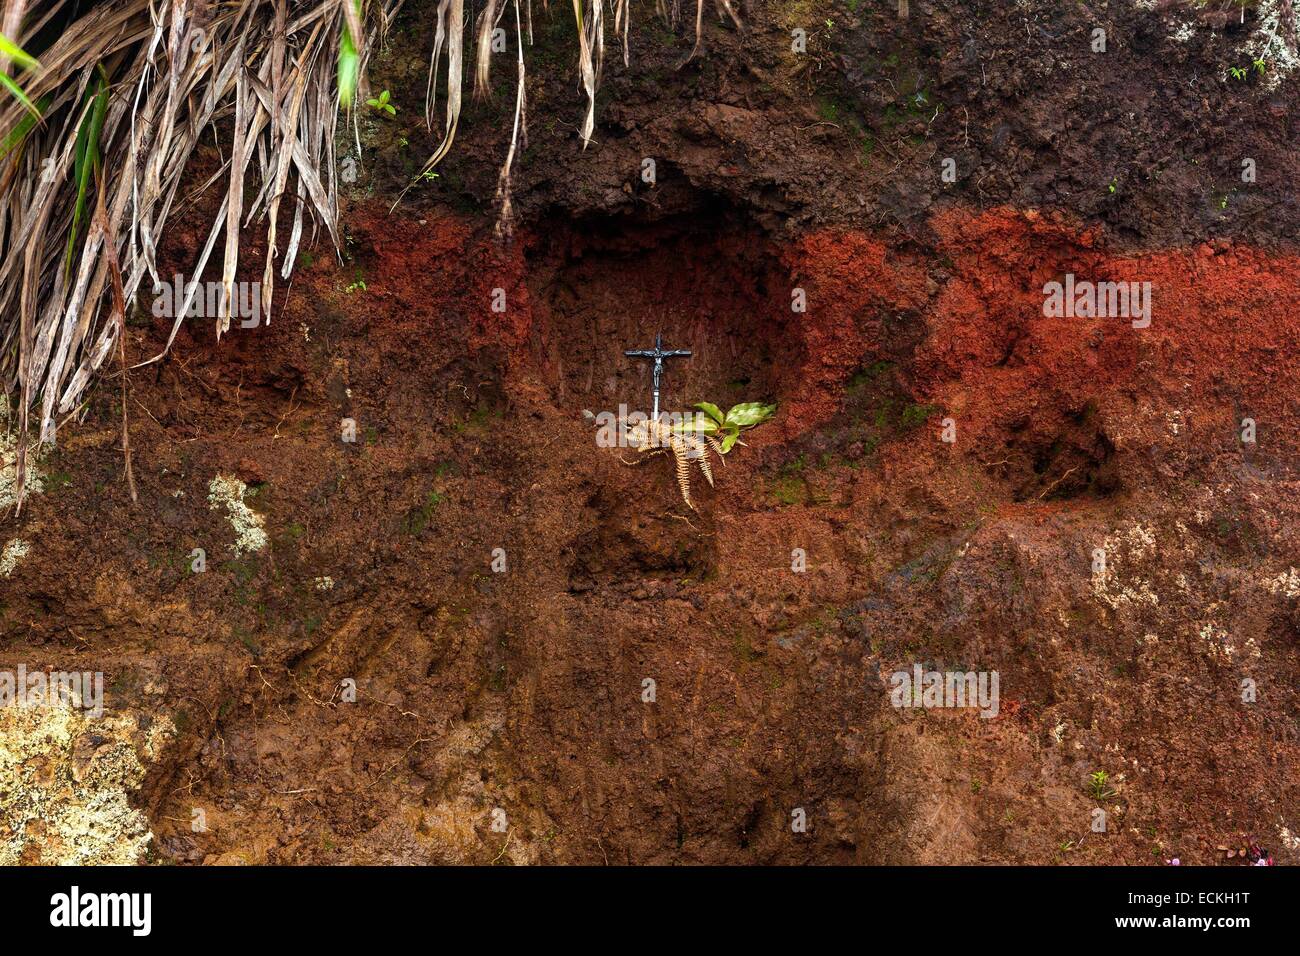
(828, 111)
(790, 491)
(418, 518)
(867, 375)
(743, 649)
(914, 415)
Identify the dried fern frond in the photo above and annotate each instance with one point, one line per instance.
(682, 459)
(651, 438)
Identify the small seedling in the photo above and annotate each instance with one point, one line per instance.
(381, 105)
(1097, 785)
(358, 286)
(1114, 184)
(1237, 72)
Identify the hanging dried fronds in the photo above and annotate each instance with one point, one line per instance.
(505, 218)
(125, 92)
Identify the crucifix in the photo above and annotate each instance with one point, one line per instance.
(658, 353)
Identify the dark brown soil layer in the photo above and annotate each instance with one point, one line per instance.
(1146, 139)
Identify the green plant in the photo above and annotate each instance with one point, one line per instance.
(690, 440)
(24, 61)
(1238, 73)
(1097, 785)
(381, 104)
(1114, 184)
(88, 155)
(729, 426)
(349, 65)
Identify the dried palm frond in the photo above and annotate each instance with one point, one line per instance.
(506, 217)
(126, 90)
(591, 57)
(622, 22)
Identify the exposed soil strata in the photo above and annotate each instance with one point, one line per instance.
(523, 690)
(355, 676)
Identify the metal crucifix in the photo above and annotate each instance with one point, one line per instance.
(658, 353)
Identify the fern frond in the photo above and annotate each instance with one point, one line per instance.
(717, 447)
(683, 470)
(699, 447)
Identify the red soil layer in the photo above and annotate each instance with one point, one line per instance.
(1221, 313)
(1223, 316)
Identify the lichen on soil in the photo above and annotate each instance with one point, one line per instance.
(348, 679)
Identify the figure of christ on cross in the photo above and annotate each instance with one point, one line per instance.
(658, 353)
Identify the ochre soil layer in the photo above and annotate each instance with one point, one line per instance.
(523, 690)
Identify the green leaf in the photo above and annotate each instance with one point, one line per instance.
(713, 411)
(23, 60)
(19, 95)
(729, 442)
(749, 414)
(349, 68)
(16, 53)
(87, 154)
(696, 423)
(19, 132)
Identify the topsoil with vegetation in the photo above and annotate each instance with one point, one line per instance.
(349, 680)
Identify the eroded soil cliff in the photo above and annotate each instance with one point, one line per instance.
(350, 680)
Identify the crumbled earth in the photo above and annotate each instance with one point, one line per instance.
(471, 635)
